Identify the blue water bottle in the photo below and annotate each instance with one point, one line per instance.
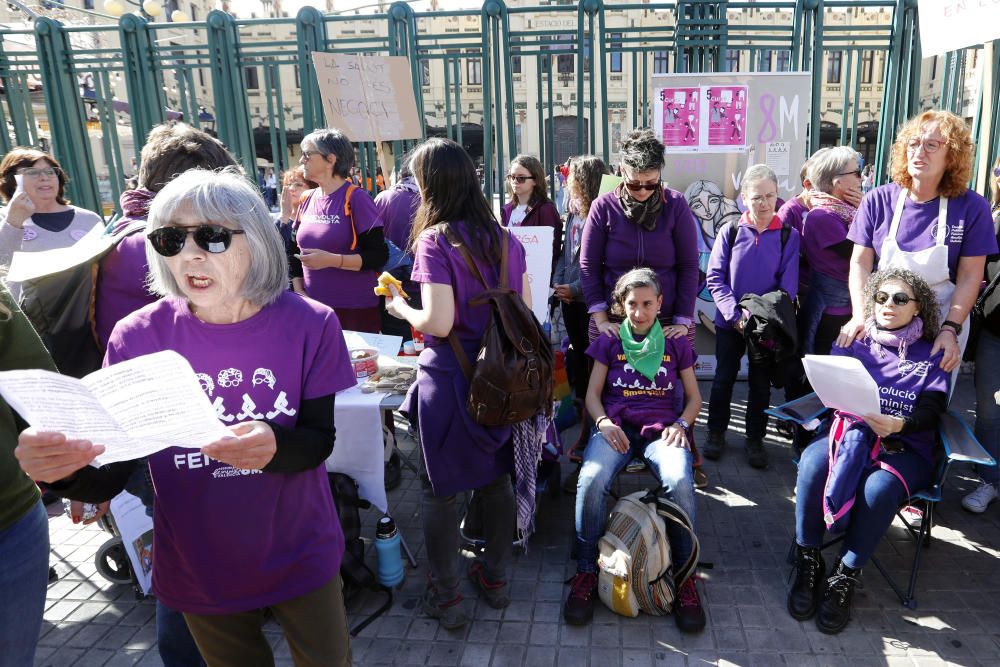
(390, 562)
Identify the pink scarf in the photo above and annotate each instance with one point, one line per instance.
(899, 338)
(136, 203)
(839, 207)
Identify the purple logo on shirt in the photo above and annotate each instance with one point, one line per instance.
(30, 234)
(77, 234)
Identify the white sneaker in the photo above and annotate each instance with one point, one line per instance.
(980, 499)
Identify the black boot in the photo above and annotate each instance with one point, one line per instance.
(835, 610)
(810, 576)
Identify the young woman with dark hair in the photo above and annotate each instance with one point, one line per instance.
(459, 454)
(529, 204)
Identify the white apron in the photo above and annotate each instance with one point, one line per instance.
(931, 264)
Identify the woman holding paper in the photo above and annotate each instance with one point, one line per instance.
(640, 224)
(37, 216)
(248, 523)
(927, 221)
(338, 248)
(24, 525)
(898, 351)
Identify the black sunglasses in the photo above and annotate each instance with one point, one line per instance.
(856, 172)
(169, 241)
(520, 179)
(898, 298)
(635, 186)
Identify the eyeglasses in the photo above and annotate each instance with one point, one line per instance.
(856, 172)
(308, 154)
(636, 186)
(169, 241)
(520, 179)
(899, 298)
(34, 172)
(930, 145)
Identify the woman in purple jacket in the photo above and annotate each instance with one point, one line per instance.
(640, 224)
(529, 204)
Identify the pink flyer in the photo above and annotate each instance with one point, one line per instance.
(727, 116)
(681, 117)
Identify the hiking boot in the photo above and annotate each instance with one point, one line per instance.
(756, 455)
(835, 609)
(495, 592)
(810, 575)
(579, 607)
(688, 612)
(450, 614)
(977, 501)
(700, 478)
(713, 446)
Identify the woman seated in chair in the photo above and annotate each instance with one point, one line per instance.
(901, 323)
(632, 399)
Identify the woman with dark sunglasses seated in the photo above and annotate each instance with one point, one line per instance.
(248, 523)
(901, 324)
(640, 224)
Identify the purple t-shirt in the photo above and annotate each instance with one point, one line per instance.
(612, 246)
(792, 213)
(821, 230)
(397, 207)
(970, 230)
(629, 397)
(900, 384)
(229, 540)
(435, 261)
(756, 264)
(323, 225)
(121, 282)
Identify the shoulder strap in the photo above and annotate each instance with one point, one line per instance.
(786, 232)
(734, 230)
(351, 187)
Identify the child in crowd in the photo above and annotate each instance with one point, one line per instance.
(763, 257)
(632, 397)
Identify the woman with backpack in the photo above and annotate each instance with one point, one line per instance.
(632, 397)
(529, 204)
(459, 454)
(897, 350)
(338, 249)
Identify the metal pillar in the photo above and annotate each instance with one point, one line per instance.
(311, 33)
(232, 112)
(143, 79)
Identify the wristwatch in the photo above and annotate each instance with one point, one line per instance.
(683, 424)
(954, 325)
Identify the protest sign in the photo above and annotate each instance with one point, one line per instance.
(537, 242)
(947, 25)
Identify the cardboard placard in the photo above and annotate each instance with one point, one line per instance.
(947, 25)
(537, 242)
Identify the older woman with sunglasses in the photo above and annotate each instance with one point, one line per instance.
(927, 221)
(37, 216)
(640, 224)
(898, 350)
(247, 524)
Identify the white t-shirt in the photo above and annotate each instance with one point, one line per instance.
(518, 214)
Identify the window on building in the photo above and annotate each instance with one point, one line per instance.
(732, 61)
(253, 83)
(661, 62)
(764, 61)
(867, 66)
(515, 61)
(564, 63)
(834, 60)
(783, 61)
(616, 56)
(474, 71)
(295, 71)
(425, 72)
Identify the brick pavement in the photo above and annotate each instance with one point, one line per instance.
(745, 520)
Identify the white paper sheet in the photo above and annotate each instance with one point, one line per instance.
(136, 530)
(387, 346)
(29, 265)
(842, 383)
(134, 408)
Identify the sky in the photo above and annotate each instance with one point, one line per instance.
(292, 6)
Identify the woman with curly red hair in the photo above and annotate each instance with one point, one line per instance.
(928, 221)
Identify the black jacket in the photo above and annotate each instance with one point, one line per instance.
(771, 333)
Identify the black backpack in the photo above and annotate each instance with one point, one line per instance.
(512, 378)
(734, 230)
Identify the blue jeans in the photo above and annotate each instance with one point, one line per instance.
(824, 292)
(174, 640)
(879, 496)
(987, 410)
(24, 576)
(730, 345)
(601, 463)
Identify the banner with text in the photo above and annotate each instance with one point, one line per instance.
(947, 25)
(537, 242)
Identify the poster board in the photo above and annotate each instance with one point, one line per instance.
(537, 242)
(714, 127)
(947, 25)
(136, 530)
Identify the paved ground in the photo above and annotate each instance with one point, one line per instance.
(745, 519)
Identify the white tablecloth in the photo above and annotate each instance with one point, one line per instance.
(359, 450)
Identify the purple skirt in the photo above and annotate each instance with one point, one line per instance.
(459, 454)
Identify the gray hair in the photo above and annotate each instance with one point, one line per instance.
(223, 196)
(804, 172)
(825, 167)
(333, 142)
(642, 151)
(755, 174)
